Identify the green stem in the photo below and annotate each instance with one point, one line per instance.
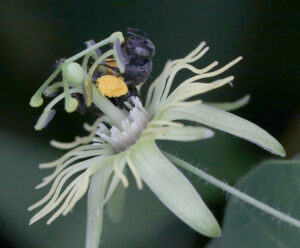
(85, 61)
(106, 41)
(233, 191)
(99, 61)
(113, 113)
(37, 100)
(90, 49)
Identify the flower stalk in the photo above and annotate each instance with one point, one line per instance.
(233, 191)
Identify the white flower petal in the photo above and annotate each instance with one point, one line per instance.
(185, 133)
(173, 188)
(115, 195)
(95, 205)
(230, 106)
(226, 122)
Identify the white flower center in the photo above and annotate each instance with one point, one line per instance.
(132, 127)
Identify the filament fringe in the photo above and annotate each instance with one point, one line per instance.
(78, 195)
(191, 89)
(179, 67)
(72, 193)
(160, 88)
(120, 174)
(59, 182)
(94, 126)
(158, 94)
(214, 73)
(74, 152)
(78, 141)
(49, 178)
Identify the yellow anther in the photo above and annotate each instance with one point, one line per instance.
(112, 86)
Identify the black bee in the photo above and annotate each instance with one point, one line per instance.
(137, 52)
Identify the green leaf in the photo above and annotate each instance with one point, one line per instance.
(173, 188)
(277, 184)
(226, 122)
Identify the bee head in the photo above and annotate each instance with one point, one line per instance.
(138, 45)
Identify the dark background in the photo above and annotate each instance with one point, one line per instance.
(33, 34)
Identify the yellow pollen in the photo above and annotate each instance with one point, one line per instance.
(112, 86)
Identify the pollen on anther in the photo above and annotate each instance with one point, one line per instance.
(112, 86)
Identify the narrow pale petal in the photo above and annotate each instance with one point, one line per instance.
(96, 196)
(115, 204)
(115, 195)
(185, 133)
(226, 122)
(115, 179)
(173, 188)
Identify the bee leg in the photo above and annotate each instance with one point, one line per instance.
(132, 91)
(119, 101)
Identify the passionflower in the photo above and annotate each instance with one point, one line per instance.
(122, 141)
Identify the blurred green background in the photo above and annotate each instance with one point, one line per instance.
(34, 34)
